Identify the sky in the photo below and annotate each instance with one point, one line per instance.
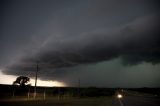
(101, 43)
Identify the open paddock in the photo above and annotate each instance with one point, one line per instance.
(90, 101)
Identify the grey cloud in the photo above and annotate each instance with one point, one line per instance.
(135, 42)
(65, 36)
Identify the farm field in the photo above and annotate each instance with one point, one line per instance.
(91, 101)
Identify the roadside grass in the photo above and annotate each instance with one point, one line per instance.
(89, 101)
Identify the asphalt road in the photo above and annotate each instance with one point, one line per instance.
(137, 100)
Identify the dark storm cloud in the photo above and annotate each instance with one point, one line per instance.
(135, 42)
(62, 34)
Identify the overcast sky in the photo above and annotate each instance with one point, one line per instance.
(104, 43)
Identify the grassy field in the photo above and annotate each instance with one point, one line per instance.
(66, 96)
(92, 101)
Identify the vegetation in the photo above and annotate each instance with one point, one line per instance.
(63, 96)
(102, 101)
(22, 81)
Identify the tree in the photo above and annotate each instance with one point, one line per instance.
(22, 81)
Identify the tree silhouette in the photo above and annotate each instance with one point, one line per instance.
(22, 81)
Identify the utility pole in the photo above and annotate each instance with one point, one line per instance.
(79, 83)
(78, 87)
(44, 93)
(35, 89)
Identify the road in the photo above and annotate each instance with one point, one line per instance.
(135, 99)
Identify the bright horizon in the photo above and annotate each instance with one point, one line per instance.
(8, 79)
